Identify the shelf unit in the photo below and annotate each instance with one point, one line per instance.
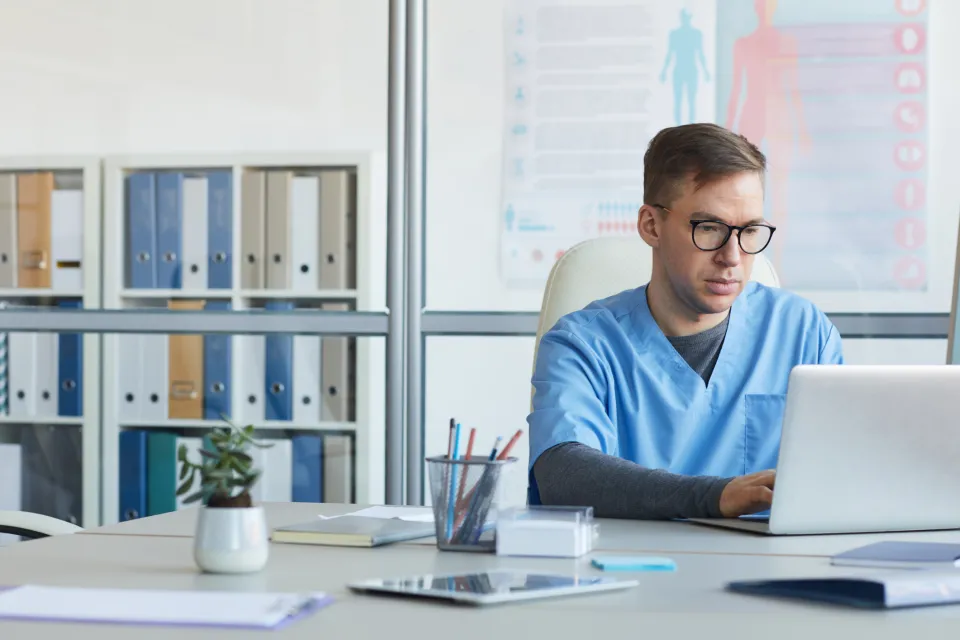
(366, 426)
(83, 173)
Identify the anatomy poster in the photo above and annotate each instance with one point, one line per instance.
(834, 93)
(587, 85)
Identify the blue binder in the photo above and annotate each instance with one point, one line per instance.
(217, 357)
(279, 370)
(142, 231)
(133, 474)
(169, 230)
(220, 229)
(307, 472)
(70, 368)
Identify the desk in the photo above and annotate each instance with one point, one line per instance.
(615, 535)
(660, 607)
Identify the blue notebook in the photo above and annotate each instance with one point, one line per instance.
(887, 591)
(905, 555)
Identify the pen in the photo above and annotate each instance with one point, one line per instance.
(493, 454)
(453, 481)
(453, 426)
(506, 450)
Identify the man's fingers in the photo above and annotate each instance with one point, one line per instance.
(765, 478)
(761, 495)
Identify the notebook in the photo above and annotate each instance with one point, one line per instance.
(158, 607)
(353, 531)
(886, 591)
(906, 555)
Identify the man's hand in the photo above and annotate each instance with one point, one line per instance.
(748, 494)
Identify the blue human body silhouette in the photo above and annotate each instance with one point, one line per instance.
(685, 50)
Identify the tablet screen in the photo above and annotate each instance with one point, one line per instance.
(491, 585)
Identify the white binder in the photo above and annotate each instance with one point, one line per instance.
(66, 240)
(304, 227)
(130, 366)
(306, 380)
(259, 460)
(195, 232)
(253, 374)
(153, 400)
(48, 382)
(278, 472)
(23, 374)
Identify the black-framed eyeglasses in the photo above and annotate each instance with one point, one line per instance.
(711, 235)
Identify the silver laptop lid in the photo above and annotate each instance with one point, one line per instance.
(869, 448)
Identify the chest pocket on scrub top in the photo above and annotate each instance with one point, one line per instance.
(762, 427)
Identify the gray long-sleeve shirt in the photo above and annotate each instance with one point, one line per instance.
(571, 473)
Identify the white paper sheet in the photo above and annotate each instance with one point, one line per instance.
(410, 514)
(149, 606)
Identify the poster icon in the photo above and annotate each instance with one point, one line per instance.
(910, 233)
(911, 7)
(910, 38)
(909, 194)
(909, 155)
(910, 78)
(909, 116)
(910, 272)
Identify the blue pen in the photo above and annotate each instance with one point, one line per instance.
(453, 483)
(496, 445)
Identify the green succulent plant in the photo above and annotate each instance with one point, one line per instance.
(226, 470)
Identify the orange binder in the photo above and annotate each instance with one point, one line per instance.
(185, 366)
(34, 192)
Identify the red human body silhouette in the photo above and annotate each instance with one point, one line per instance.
(772, 110)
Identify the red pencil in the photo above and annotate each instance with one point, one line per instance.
(506, 450)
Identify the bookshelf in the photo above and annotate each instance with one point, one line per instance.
(50, 214)
(270, 265)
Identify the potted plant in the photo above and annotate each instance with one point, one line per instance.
(231, 535)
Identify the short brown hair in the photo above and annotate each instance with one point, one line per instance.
(703, 151)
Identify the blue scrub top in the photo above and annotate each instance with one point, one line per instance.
(606, 376)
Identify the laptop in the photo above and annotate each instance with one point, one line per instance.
(865, 449)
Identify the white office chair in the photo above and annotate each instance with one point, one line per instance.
(34, 525)
(598, 268)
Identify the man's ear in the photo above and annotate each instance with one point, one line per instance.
(650, 225)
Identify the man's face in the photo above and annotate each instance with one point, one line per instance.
(707, 282)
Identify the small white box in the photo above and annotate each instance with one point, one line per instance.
(556, 532)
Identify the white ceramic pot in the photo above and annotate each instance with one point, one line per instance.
(231, 540)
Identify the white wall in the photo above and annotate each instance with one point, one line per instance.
(110, 76)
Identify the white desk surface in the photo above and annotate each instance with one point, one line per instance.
(615, 535)
(660, 607)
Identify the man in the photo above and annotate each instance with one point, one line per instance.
(666, 401)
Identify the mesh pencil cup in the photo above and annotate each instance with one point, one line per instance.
(465, 496)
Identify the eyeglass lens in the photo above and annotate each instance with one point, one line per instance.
(709, 236)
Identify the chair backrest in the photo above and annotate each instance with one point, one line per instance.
(598, 268)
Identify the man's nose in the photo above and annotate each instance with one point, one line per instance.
(730, 253)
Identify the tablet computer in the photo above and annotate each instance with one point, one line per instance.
(490, 587)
